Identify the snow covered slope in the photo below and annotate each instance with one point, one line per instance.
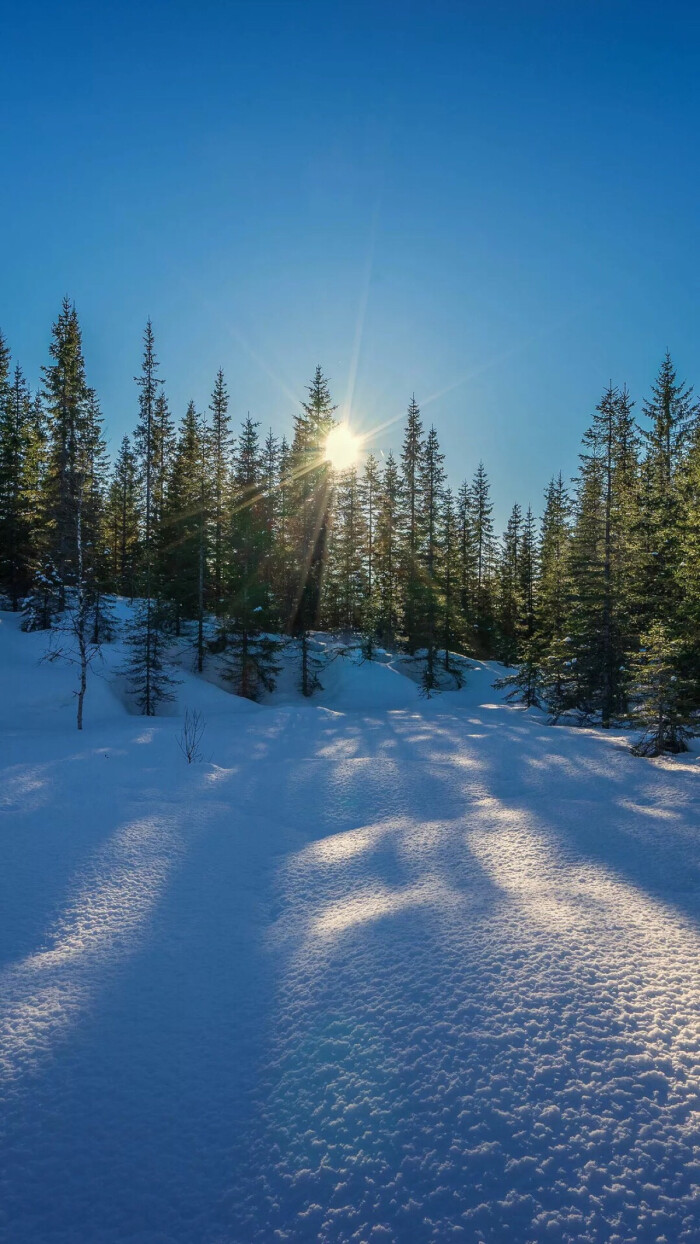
(379, 969)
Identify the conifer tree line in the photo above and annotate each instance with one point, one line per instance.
(231, 538)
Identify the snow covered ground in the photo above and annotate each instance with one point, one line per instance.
(378, 969)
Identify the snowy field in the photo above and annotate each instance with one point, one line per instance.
(378, 969)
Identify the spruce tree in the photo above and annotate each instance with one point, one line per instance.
(451, 624)
(412, 542)
(163, 448)
(184, 524)
(687, 621)
(510, 602)
(147, 669)
(671, 413)
(369, 496)
(432, 480)
(148, 678)
(346, 581)
(124, 521)
(480, 511)
(284, 584)
(604, 557)
(70, 427)
(387, 553)
(660, 695)
(18, 517)
(271, 480)
(219, 466)
(310, 509)
(554, 586)
(251, 657)
(466, 564)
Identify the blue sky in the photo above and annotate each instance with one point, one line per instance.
(494, 205)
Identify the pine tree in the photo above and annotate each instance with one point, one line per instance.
(184, 524)
(219, 475)
(346, 582)
(251, 659)
(163, 448)
(481, 508)
(554, 580)
(124, 521)
(510, 602)
(285, 585)
(671, 412)
(519, 573)
(148, 452)
(660, 695)
(310, 505)
(17, 517)
(5, 361)
(147, 675)
(272, 570)
(432, 478)
(387, 553)
(450, 622)
(412, 542)
(586, 564)
(93, 554)
(147, 670)
(604, 559)
(370, 489)
(550, 649)
(558, 679)
(72, 429)
(528, 648)
(687, 621)
(81, 613)
(466, 563)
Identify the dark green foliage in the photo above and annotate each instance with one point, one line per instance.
(21, 463)
(450, 621)
(479, 511)
(43, 603)
(76, 459)
(123, 522)
(558, 683)
(510, 600)
(251, 661)
(218, 471)
(387, 555)
(671, 414)
(183, 533)
(412, 454)
(660, 696)
(346, 584)
(310, 502)
(147, 671)
(147, 676)
(236, 543)
(310, 489)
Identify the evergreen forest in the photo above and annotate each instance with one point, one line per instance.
(237, 541)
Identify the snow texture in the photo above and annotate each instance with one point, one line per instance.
(380, 969)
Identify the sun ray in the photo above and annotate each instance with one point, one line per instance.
(342, 447)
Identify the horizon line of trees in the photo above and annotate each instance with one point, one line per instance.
(235, 539)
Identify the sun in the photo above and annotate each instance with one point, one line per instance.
(342, 447)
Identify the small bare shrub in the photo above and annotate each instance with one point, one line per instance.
(191, 736)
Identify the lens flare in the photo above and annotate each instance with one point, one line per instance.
(342, 447)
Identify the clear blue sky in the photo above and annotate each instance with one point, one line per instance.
(492, 204)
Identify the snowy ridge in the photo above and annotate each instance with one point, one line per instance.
(379, 970)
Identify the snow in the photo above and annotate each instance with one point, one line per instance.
(379, 969)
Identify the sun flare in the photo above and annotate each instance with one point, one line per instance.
(342, 447)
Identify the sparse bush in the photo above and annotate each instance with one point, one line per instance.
(190, 737)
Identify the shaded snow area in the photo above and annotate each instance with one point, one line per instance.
(378, 969)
